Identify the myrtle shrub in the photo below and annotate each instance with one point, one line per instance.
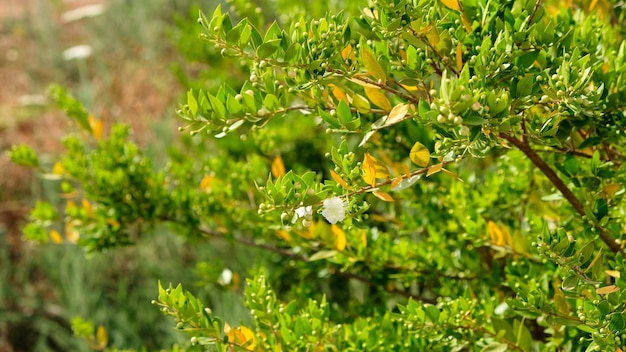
(415, 175)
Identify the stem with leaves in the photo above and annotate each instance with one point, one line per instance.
(576, 203)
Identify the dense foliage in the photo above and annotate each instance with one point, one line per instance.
(423, 175)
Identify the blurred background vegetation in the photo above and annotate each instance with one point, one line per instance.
(126, 61)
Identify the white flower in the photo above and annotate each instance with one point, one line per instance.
(226, 277)
(334, 210)
(304, 211)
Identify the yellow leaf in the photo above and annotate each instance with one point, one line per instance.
(607, 289)
(56, 236)
(278, 168)
(102, 337)
(383, 196)
(70, 204)
(338, 179)
(434, 169)
(96, 127)
(284, 235)
(88, 207)
(378, 98)
(58, 169)
(205, 184)
(340, 242)
(452, 4)
(372, 65)
(397, 114)
(612, 273)
(373, 169)
(611, 189)
(592, 5)
(419, 155)
(459, 56)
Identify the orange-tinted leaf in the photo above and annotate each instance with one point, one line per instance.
(346, 51)
(498, 237)
(459, 56)
(96, 127)
(88, 207)
(101, 337)
(383, 196)
(378, 98)
(284, 235)
(205, 184)
(607, 289)
(373, 169)
(278, 168)
(397, 114)
(338, 179)
(247, 337)
(338, 93)
(452, 174)
(56, 236)
(396, 181)
(372, 65)
(466, 23)
(340, 241)
(452, 4)
(434, 169)
(419, 155)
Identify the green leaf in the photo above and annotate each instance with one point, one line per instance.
(218, 107)
(192, 103)
(570, 283)
(267, 49)
(343, 112)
